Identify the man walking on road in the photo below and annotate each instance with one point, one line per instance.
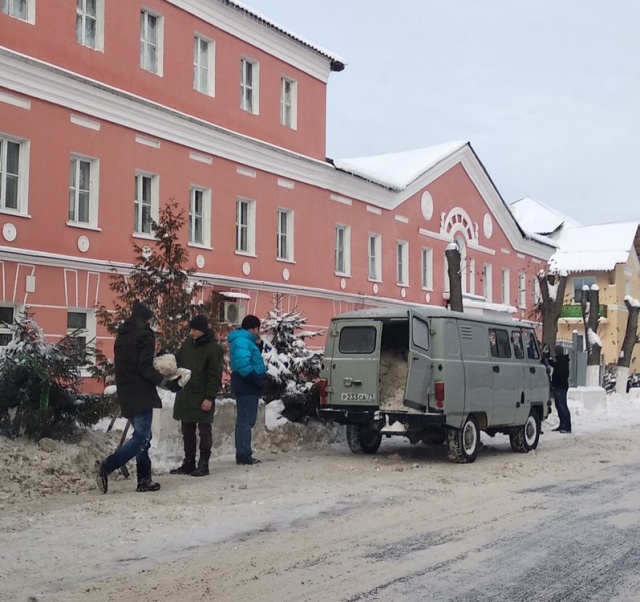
(248, 375)
(560, 385)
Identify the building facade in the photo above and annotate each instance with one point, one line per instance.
(108, 110)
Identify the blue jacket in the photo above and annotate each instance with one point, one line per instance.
(247, 367)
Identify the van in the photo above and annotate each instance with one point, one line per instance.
(433, 375)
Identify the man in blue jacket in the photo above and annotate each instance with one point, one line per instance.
(248, 375)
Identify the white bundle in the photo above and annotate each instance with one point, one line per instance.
(167, 366)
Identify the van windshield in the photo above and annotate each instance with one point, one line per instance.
(357, 339)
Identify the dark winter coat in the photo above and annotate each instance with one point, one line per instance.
(560, 376)
(248, 372)
(204, 357)
(136, 378)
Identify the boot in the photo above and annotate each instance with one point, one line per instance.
(203, 468)
(187, 467)
(147, 485)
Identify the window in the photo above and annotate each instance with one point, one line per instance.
(6, 321)
(518, 348)
(83, 191)
(199, 212)
(20, 9)
(146, 203)
(578, 283)
(420, 333)
(487, 282)
(151, 42)
(284, 241)
(90, 23)
(203, 65)
(245, 226)
(288, 103)
(249, 75)
(402, 263)
(375, 257)
(499, 343)
(505, 285)
(472, 276)
(426, 269)
(531, 344)
(357, 339)
(81, 329)
(342, 250)
(522, 290)
(13, 174)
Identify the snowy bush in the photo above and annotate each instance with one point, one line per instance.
(39, 383)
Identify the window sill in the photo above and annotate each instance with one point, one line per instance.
(283, 260)
(144, 236)
(14, 212)
(197, 245)
(342, 275)
(245, 254)
(82, 226)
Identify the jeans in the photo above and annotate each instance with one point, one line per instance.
(247, 411)
(137, 446)
(560, 397)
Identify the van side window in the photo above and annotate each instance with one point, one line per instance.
(518, 349)
(357, 339)
(499, 343)
(420, 334)
(531, 344)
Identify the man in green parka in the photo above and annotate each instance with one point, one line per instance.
(195, 403)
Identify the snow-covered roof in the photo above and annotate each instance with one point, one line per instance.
(535, 217)
(594, 248)
(398, 170)
(337, 62)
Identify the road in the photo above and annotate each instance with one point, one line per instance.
(559, 524)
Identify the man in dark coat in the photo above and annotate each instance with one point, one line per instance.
(195, 403)
(560, 385)
(136, 381)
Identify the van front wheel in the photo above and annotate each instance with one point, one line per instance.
(525, 438)
(463, 444)
(363, 440)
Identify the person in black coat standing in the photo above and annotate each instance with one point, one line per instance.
(560, 385)
(136, 381)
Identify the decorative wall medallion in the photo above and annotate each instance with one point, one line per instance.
(200, 261)
(343, 283)
(427, 297)
(426, 205)
(83, 244)
(146, 251)
(246, 268)
(9, 232)
(403, 293)
(375, 289)
(487, 225)
(286, 275)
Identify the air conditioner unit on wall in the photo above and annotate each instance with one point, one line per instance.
(232, 313)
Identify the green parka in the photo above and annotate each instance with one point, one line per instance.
(204, 357)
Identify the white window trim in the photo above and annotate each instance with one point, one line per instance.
(90, 332)
(6, 329)
(426, 268)
(23, 176)
(522, 290)
(99, 47)
(402, 263)
(94, 188)
(251, 227)
(206, 216)
(155, 200)
(487, 282)
(505, 285)
(255, 85)
(211, 57)
(377, 257)
(472, 276)
(346, 250)
(31, 13)
(289, 235)
(293, 102)
(159, 42)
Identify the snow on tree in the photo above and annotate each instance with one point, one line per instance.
(630, 339)
(590, 303)
(549, 305)
(452, 253)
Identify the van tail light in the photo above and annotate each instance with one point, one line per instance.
(322, 389)
(439, 393)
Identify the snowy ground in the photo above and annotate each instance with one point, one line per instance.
(247, 533)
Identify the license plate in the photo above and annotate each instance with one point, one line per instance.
(357, 397)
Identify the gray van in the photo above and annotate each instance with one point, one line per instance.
(433, 375)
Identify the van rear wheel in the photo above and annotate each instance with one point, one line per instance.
(363, 440)
(463, 444)
(526, 437)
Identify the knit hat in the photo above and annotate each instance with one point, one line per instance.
(250, 322)
(200, 323)
(559, 350)
(140, 310)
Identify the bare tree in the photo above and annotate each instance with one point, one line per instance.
(452, 254)
(590, 303)
(630, 339)
(552, 287)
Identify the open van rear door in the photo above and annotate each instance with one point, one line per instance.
(419, 378)
(353, 371)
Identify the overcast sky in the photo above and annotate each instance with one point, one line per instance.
(546, 91)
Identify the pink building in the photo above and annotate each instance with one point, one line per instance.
(110, 109)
